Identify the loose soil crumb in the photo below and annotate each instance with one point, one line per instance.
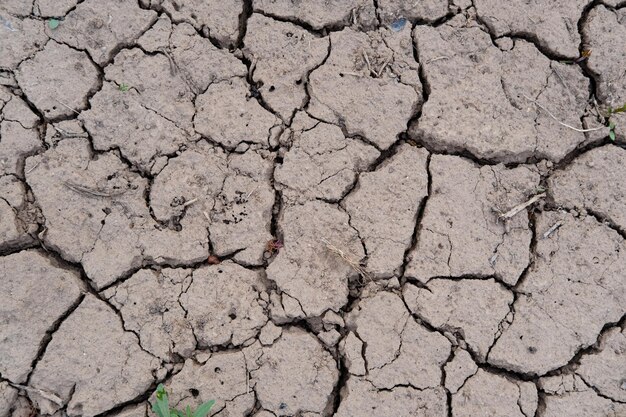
(322, 208)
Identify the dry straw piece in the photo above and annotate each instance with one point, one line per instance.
(348, 259)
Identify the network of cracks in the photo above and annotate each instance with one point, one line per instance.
(340, 208)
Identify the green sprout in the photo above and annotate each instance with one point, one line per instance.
(53, 23)
(162, 406)
(124, 87)
(611, 111)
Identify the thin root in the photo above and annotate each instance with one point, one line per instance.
(536, 103)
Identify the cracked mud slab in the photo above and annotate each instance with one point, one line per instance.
(314, 208)
(554, 25)
(27, 304)
(569, 395)
(555, 299)
(105, 357)
(100, 28)
(515, 398)
(58, 80)
(319, 14)
(485, 100)
(216, 19)
(368, 85)
(305, 269)
(461, 233)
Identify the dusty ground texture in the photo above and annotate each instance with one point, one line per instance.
(349, 208)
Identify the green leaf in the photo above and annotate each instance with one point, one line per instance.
(204, 409)
(175, 413)
(53, 24)
(161, 407)
(612, 135)
(124, 87)
(619, 109)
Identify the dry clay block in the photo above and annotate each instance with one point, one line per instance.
(103, 27)
(514, 398)
(96, 212)
(488, 102)
(117, 120)
(594, 182)
(461, 234)
(383, 208)
(283, 55)
(215, 18)
(472, 308)
(459, 370)
(8, 395)
(369, 84)
(36, 295)
(605, 370)
(89, 354)
(231, 194)
(304, 268)
(391, 11)
(398, 351)
(228, 114)
(160, 91)
(319, 14)
(168, 82)
(321, 163)
(294, 375)
(149, 302)
(234, 314)
(53, 8)
(554, 24)
(21, 38)
(569, 395)
(606, 27)
(18, 135)
(360, 398)
(573, 288)
(58, 80)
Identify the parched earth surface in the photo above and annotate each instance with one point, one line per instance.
(313, 208)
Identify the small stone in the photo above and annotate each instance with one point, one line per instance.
(269, 333)
(330, 337)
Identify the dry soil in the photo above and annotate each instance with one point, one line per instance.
(313, 208)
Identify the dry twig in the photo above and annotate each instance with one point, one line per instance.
(81, 189)
(45, 394)
(521, 207)
(552, 229)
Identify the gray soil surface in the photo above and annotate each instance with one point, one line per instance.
(348, 208)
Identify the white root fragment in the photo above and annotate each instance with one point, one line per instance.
(45, 394)
(536, 103)
(552, 229)
(522, 206)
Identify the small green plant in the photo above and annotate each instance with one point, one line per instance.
(612, 131)
(612, 126)
(162, 406)
(124, 87)
(53, 23)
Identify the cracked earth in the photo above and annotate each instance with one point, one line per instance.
(348, 208)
